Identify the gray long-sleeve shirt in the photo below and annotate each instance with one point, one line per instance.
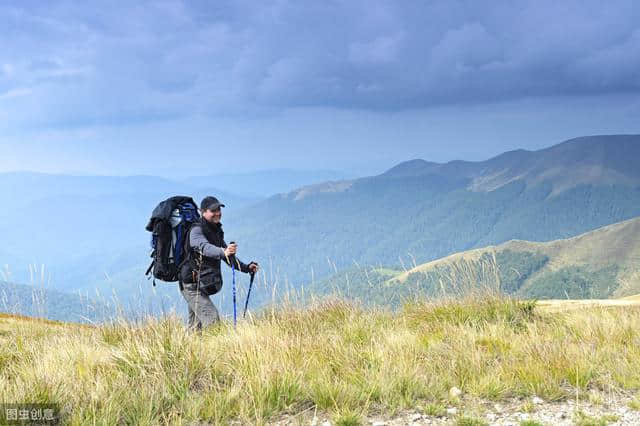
(199, 241)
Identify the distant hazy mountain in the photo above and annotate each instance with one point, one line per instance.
(599, 160)
(48, 303)
(19, 189)
(604, 263)
(83, 227)
(89, 231)
(268, 182)
(419, 211)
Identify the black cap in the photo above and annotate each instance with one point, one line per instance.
(210, 203)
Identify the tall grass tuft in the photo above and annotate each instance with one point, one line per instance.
(332, 356)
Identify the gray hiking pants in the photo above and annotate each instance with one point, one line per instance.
(202, 311)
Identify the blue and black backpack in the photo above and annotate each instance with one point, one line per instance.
(169, 225)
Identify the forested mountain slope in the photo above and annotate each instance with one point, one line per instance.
(420, 211)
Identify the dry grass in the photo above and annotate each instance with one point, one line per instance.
(333, 357)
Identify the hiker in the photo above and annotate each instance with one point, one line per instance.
(200, 274)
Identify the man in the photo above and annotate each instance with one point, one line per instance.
(200, 274)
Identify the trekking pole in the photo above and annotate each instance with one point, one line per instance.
(246, 303)
(233, 281)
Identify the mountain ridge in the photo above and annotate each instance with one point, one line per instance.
(603, 264)
(377, 220)
(502, 169)
(429, 210)
(616, 244)
(630, 226)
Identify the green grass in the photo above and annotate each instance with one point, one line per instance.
(348, 418)
(436, 410)
(582, 419)
(340, 360)
(470, 421)
(530, 423)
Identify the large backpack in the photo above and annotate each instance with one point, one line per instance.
(169, 225)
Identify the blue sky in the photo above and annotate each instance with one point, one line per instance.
(118, 87)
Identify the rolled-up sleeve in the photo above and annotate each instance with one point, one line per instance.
(198, 241)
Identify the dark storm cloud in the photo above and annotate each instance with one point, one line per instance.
(78, 62)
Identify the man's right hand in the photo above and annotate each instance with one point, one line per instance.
(230, 250)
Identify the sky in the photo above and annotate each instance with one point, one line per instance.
(190, 87)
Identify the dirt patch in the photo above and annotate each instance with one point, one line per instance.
(562, 305)
(592, 408)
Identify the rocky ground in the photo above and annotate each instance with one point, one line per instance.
(595, 408)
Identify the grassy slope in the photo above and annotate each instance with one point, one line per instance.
(333, 357)
(617, 244)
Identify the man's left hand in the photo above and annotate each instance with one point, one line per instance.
(253, 267)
